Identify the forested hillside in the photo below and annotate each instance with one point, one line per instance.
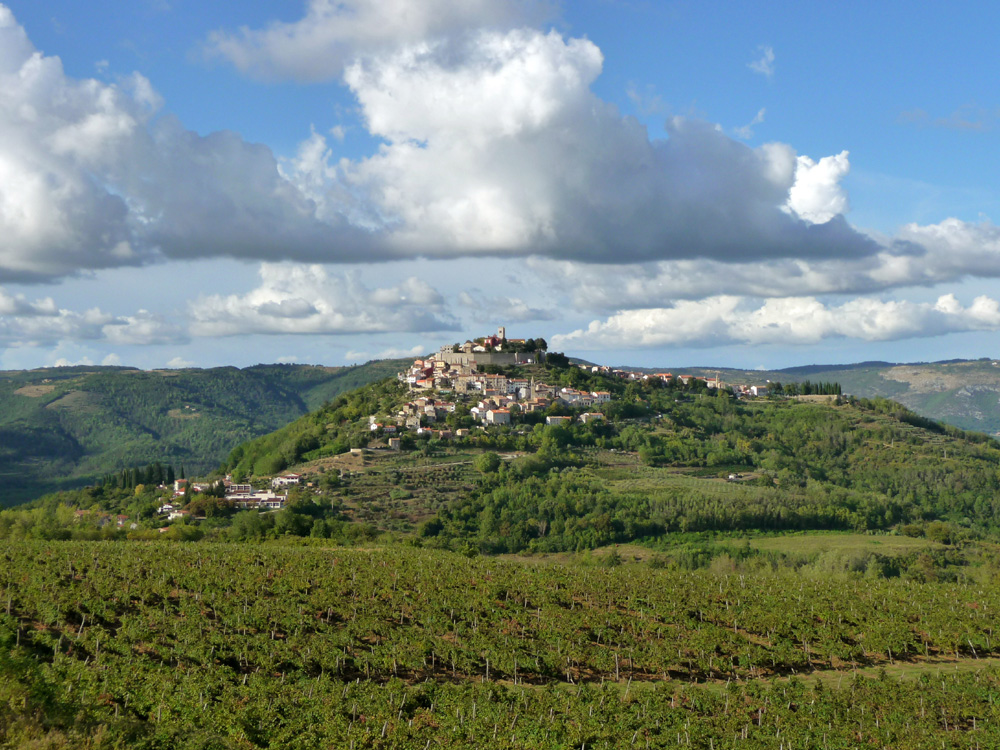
(667, 459)
(963, 393)
(66, 426)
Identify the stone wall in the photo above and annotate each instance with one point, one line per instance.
(490, 358)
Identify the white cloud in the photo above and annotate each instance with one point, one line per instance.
(493, 145)
(390, 353)
(496, 144)
(765, 64)
(334, 32)
(179, 363)
(296, 299)
(919, 256)
(19, 305)
(111, 360)
(788, 321)
(816, 195)
(42, 323)
(746, 131)
(143, 329)
(92, 176)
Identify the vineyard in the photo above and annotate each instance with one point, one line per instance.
(214, 645)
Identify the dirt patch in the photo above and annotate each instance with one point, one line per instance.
(943, 378)
(183, 414)
(72, 400)
(35, 391)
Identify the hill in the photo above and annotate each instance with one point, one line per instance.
(64, 427)
(963, 393)
(691, 570)
(666, 459)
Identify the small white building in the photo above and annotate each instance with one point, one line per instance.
(286, 480)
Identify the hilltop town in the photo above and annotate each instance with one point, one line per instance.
(471, 375)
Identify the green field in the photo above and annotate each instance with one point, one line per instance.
(261, 646)
(817, 543)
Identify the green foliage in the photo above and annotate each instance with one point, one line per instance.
(488, 463)
(66, 427)
(194, 646)
(334, 429)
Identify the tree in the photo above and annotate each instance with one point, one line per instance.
(487, 463)
(557, 359)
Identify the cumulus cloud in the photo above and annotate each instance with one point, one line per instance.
(724, 319)
(512, 309)
(335, 32)
(816, 194)
(492, 144)
(920, 255)
(93, 176)
(45, 325)
(143, 329)
(390, 353)
(18, 305)
(179, 363)
(297, 299)
(497, 145)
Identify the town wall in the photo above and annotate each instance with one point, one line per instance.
(489, 358)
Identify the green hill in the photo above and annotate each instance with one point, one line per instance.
(63, 427)
(963, 393)
(691, 571)
(658, 465)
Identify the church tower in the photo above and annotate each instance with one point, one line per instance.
(502, 333)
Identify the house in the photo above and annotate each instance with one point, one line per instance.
(601, 397)
(591, 417)
(176, 514)
(287, 480)
(759, 390)
(262, 499)
(395, 444)
(498, 416)
(558, 420)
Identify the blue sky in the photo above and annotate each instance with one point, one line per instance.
(641, 183)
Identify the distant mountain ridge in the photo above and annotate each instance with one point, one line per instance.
(63, 427)
(961, 392)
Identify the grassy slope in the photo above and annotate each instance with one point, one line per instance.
(63, 427)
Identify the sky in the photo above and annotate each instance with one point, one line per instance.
(640, 183)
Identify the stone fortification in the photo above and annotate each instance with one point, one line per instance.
(489, 358)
